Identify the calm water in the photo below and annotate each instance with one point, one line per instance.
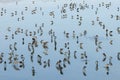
(59, 40)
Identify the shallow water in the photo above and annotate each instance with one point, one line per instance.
(39, 24)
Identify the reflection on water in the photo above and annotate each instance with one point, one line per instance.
(60, 40)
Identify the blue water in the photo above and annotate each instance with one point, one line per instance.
(17, 16)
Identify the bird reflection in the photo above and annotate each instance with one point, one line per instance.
(75, 54)
(48, 62)
(110, 61)
(15, 67)
(33, 71)
(45, 64)
(118, 30)
(96, 66)
(118, 55)
(84, 70)
(5, 65)
(107, 69)
(39, 58)
(59, 67)
(15, 48)
(31, 58)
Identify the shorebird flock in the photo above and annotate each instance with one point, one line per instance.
(57, 36)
